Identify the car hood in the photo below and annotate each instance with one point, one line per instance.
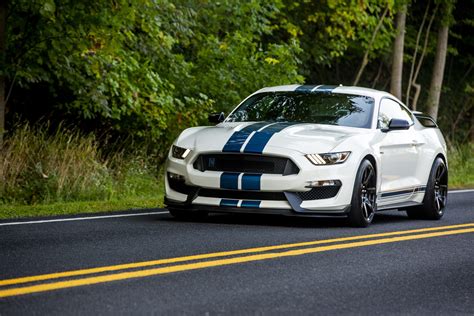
(303, 137)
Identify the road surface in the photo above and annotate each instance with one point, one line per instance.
(147, 262)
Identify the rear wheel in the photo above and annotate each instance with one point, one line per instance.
(363, 205)
(436, 194)
(187, 215)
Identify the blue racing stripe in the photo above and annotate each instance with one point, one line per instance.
(251, 181)
(225, 202)
(326, 88)
(250, 204)
(230, 180)
(259, 140)
(306, 88)
(235, 142)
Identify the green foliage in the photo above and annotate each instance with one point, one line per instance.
(41, 167)
(328, 29)
(461, 166)
(147, 68)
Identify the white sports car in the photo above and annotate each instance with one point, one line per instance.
(310, 150)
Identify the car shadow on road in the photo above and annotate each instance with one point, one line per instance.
(381, 219)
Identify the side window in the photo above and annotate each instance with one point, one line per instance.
(390, 109)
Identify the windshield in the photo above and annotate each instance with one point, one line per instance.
(316, 107)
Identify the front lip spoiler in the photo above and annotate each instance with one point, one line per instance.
(227, 209)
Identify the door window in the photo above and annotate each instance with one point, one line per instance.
(390, 109)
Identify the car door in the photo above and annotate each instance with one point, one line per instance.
(398, 153)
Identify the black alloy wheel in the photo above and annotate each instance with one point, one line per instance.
(436, 194)
(364, 196)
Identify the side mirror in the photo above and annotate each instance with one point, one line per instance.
(216, 117)
(397, 124)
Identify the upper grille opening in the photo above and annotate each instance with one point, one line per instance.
(246, 163)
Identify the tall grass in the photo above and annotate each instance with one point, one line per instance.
(37, 166)
(461, 166)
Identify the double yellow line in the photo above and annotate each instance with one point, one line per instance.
(48, 282)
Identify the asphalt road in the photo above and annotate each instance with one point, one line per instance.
(426, 271)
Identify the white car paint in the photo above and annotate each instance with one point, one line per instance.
(403, 159)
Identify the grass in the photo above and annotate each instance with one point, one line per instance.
(81, 207)
(65, 172)
(461, 166)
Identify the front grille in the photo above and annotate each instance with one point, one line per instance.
(245, 163)
(319, 193)
(242, 195)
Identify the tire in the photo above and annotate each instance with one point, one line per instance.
(187, 215)
(436, 194)
(364, 196)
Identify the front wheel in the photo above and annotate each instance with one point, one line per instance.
(364, 195)
(436, 194)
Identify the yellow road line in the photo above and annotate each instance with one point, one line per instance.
(215, 263)
(142, 264)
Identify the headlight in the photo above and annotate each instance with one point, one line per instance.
(328, 158)
(179, 152)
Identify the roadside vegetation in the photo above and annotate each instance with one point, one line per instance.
(64, 172)
(92, 93)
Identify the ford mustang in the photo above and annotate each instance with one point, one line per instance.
(311, 150)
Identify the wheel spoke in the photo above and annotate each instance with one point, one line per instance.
(368, 176)
(366, 213)
(443, 171)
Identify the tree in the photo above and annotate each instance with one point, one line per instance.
(365, 59)
(397, 59)
(440, 60)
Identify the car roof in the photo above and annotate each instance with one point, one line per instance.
(331, 88)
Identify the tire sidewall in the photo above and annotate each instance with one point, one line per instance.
(356, 216)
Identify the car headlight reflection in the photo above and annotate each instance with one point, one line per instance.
(179, 152)
(328, 158)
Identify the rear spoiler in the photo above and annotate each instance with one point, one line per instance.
(425, 119)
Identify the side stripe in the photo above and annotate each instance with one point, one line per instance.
(403, 192)
(235, 142)
(259, 140)
(229, 180)
(225, 202)
(251, 181)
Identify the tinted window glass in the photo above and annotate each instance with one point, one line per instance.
(390, 109)
(316, 107)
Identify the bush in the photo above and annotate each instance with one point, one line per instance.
(41, 167)
(461, 166)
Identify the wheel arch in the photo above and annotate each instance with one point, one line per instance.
(372, 160)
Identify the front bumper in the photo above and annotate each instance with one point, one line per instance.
(277, 194)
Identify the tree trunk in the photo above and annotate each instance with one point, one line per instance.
(413, 62)
(416, 85)
(365, 60)
(438, 71)
(3, 17)
(397, 62)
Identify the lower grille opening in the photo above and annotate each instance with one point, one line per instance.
(242, 195)
(319, 193)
